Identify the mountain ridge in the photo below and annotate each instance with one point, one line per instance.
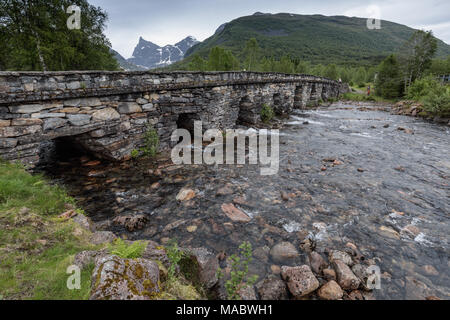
(148, 55)
(315, 38)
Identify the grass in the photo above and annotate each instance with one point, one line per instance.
(36, 246)
(352, 96)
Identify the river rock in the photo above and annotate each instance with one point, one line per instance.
(272, 289)
(234, 213)
(124, 279)
(185, 194)
(247, 293)
(339, 255)
(131, 222)
(84, 258)
(329, 274)
(155, 252)
(346, 279)
(316, 262)
(300, 280)
(101, 237)
(330, 291)
(283, 252)
(82, 221)
(203, 264)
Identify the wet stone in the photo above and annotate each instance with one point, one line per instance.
(284, 252)
(300, 280)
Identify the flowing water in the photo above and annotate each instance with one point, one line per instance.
(348, 174)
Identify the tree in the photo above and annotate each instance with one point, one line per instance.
(360, 77)
(331, 72)
(389, 81)
(222, 60)
(416, 55)
(198, 63)
(251, 53)
(35, 36)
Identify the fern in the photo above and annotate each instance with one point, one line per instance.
(127, 251)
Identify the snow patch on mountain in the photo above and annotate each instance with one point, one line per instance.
(151, 56)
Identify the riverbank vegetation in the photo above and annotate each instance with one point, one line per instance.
(36, 246)
(410, 73)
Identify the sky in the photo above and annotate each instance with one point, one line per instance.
(169, 21)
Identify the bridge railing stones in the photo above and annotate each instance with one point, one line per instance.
(109, 112)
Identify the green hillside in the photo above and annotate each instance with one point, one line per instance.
(315, 38)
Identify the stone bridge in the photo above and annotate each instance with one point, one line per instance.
(108, 113)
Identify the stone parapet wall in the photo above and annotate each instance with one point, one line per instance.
(108, 113)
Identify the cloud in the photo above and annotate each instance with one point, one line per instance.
(167, 22)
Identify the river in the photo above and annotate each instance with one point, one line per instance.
(347, 174)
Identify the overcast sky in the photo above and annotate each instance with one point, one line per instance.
(169, 21)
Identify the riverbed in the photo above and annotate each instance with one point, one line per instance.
(348, 174)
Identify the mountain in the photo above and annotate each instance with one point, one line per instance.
(148, 55)
(124, 64)
(315, 38)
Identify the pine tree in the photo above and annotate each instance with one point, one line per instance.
(389, 79)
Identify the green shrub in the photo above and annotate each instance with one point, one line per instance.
(434, 96)
(174, 254)
(239, 272)
(151, 140)
(437, 102)
(420, 88)
(127, 251)
(267, 113)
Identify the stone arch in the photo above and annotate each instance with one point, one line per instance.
(247, 111)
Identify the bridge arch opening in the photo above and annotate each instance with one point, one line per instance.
(186, 121)
(61, 149)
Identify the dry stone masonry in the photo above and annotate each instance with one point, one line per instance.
(108, 113)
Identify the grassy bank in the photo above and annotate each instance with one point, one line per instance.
(360, 97)
(36, 246)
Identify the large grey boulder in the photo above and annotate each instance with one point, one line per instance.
(115, 278)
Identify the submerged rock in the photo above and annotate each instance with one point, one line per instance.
(283, 252)
(234, 213)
